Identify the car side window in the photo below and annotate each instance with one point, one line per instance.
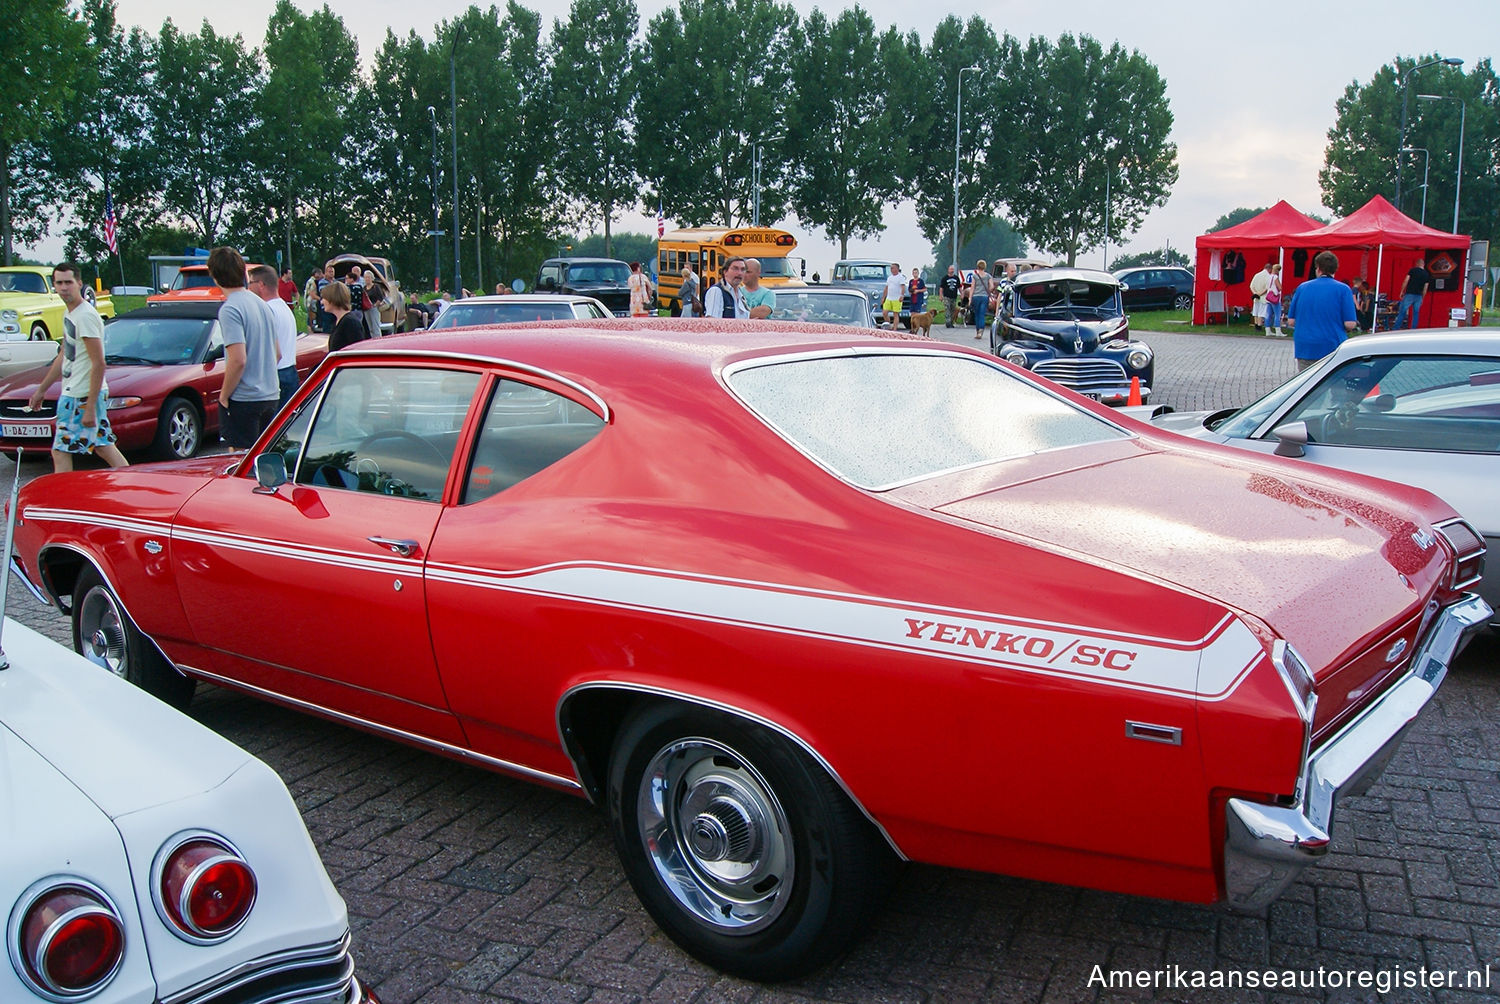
(1445, 403)
(387, 430)
(526, 430)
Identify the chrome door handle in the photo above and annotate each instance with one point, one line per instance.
(405, 548)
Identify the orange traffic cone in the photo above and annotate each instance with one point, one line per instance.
(1135, 392)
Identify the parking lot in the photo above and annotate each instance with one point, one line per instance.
(465, 886)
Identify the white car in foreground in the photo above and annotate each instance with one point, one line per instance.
(146, 860)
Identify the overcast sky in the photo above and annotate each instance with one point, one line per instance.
(1252, 86)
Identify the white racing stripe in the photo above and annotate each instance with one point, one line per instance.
(1209, 668)
(1169, 667)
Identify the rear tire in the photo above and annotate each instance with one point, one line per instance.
(1182, 302)
(104, 634)
(742, 849)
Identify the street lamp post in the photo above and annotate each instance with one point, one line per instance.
(478, 240)
(755, 151)
(1426, 162)
(1458, 178)
(1405, 86)
(958, 117)
(458, 285)
(437, 231)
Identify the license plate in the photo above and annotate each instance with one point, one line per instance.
(17, 431)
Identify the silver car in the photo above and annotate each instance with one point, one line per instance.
(1417, 407)
(516, 308)
(844, 305)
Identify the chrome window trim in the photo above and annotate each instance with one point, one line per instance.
(357, 352)
(727, 373)
(729, 709)
(460, 752)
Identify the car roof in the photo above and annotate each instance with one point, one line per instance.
(864, 261)
(202, 309)
(571, 261)
(1143, 268)
(1424, 341)
(689, 348)
(525, 298)
(1086, 274)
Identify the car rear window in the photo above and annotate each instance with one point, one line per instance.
(462, 315)
(883, 419)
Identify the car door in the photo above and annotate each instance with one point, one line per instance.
(315, 591)
(522, 505)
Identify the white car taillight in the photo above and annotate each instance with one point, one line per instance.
(203, 888)
(66, 940)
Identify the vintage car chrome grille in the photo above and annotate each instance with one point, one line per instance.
(1470, 548)
(1083, 375)
(16, 410)
(318, 974)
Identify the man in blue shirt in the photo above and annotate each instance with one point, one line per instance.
(1321, 313)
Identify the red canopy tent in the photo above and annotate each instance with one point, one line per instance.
(1397, 241)
(1254, 242)
(1376, 243)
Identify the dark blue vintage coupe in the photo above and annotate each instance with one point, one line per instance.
(1068, 325)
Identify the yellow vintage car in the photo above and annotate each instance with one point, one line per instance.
(29, 309)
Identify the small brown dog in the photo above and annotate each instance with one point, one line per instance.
(921, 323)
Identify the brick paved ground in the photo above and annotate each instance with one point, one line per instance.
(467, 887)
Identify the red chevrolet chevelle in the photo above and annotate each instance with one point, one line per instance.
(790, 606)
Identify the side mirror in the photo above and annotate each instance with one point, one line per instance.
(270, 473)
(1294, 439)
(214, 355)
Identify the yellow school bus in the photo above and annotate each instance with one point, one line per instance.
(707, 248)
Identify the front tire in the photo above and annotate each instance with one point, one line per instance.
(179, 430)
(104, 634)
(39, 332)
(743, 850)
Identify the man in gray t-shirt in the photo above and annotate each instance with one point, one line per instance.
(248, 399)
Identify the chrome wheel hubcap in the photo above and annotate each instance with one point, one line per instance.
(182, 432)
(102, 633)
(716, 835)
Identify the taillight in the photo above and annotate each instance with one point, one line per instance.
(1468, 549)
(203, 887)
(68, 939)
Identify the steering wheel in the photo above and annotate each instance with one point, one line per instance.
(405, 437)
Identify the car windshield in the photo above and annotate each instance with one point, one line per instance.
(616, 272)
(22, 282)
(777, 268)
(1066, 299)
(465, 314)
(867, 273)
(192, 280)
(1243, 423)
(884, 419)
(141, 338)
(821, 306)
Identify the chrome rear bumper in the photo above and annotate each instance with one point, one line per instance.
(1267, 846)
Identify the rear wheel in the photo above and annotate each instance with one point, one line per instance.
(1182, 302)
(104, 635)
(743, 850)
(179, 430)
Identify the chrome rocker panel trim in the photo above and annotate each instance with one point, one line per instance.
(1267, 846)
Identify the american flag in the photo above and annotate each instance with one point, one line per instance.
(109, 225)
(661, 222)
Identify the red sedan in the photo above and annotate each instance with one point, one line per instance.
(791, 606)
(164, 365)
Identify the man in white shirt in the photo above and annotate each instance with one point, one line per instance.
(82, 425)
(1259, 283)
(284, 325)
(895, 289)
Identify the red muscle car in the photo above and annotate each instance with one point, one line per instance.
(790, 606)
